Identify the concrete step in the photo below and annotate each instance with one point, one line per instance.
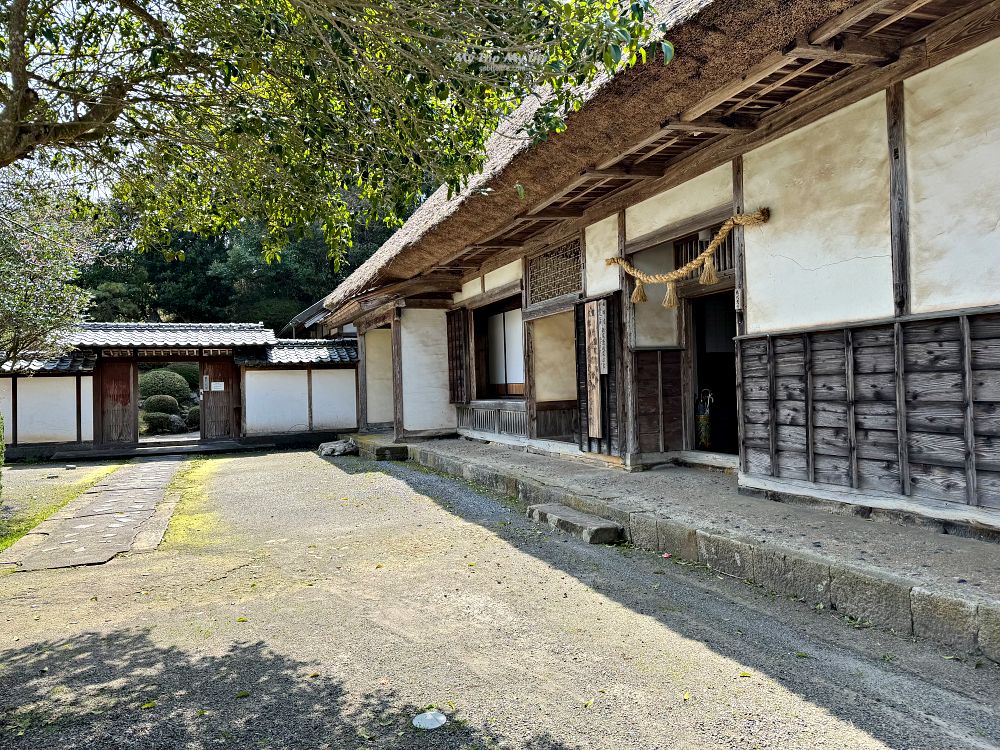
(591, 529)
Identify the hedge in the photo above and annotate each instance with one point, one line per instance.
(162, 403)
(187, 370)
(164, 383)
(157, 422)
(193, 417)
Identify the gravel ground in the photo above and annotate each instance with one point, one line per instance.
(308, 603)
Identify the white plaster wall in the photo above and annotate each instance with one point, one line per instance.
(601, 242)
(824, 257)
(334, 399)
(378, 375)
(953, 164)
(554, 351)
(469, 289)
(514, 344)
(424, 351)
(697, 195)
(46, 410)
(503, 275)
(86, 408)
(276, 401)
(6, 408)
(655, 325)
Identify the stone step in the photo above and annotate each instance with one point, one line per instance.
(591, 529)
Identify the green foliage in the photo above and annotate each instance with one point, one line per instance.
(41, 251)
(157, 422)
(164, 383)
(187, 370)
(200, 113)
(193, 417)
(162, 403)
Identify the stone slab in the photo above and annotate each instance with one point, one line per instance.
(591, 529)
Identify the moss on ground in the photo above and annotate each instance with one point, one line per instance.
(192, 523)
(46, 502)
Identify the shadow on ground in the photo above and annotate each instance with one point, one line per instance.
(122, 690)
(884, 684)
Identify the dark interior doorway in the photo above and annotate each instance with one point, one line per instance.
(714, 320)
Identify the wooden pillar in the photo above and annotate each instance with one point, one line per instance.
(772, 410)
(899, 210)
(852, 437)
(397, 373)
(629, 402)
(901, 430)
(79, 409)
(739, 249)
(309, 398)
(810, 427)
(361, 374)
(13, 410)
(530, 403)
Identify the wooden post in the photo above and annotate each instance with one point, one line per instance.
(397, 373)
(530, 404)
(630, 410)
(810, 427)
(899, 211)
(971, 483)
(739, 250)
(79, 409)
(13, 410)
(852, 437)
(362, 385)
(901, 435)
(772, 411)
(594, 411)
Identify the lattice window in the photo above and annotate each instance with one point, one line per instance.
(688, 248)
(555, 273)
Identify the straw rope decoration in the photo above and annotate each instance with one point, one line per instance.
(705, 261)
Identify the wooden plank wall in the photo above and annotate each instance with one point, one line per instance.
(659, 396)
(610, 417)
(911, 407)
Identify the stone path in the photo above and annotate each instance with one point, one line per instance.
(101, 523)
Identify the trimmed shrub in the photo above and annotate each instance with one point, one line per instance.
(187, 370)
(162, 403)
(177, 423)
(157, 422)
(193, 418)
(164, 383)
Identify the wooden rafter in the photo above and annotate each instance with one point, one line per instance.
(897, 16)
(765, 68)
(844, 49)
(846, 20)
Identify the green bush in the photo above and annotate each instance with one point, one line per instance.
(163, 404)
(193, 417)
(164, 383)
(187, 370)
(157, 422)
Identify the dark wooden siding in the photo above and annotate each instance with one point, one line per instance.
(659, 400)
(910, 408)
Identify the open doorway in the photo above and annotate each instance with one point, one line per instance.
(169, 402)
(714, 328)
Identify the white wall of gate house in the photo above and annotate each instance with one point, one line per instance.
(278, 401)
(46, 409)
(424, 352)
(378, 376)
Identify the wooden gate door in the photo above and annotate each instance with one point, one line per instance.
(119, 408)
(218, 399)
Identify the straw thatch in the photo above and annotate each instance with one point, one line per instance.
(716, 41)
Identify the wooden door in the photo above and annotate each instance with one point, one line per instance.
(218, 386)
(119, 412)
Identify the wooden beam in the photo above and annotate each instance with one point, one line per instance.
(377, 318)
(845, 50)
(726, 125)
(79, 409)
(826, 31)
(551, 214)
(766, 67)
(496, 246)
(810, 419)
(772, 410)
(852, 436)
(397, 374)
(739, 248)
(897, 16)
(362, 375)
(631, 173)
(629, 391)
(899, 211)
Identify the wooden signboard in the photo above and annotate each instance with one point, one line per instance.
(594, 339)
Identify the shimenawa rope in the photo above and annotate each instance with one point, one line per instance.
(705, 261)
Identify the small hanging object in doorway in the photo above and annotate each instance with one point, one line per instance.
(703, 419)
(709, 275)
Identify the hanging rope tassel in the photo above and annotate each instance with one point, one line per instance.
(639, 294)
(670, 300)
(709, 274)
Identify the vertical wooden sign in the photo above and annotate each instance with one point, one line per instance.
(593, 332)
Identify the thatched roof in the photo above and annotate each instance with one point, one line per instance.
(716, 41)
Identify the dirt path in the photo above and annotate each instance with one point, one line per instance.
(303, 603)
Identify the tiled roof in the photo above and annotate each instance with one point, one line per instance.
(71, 363)
(304, 352)
(171, 334)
